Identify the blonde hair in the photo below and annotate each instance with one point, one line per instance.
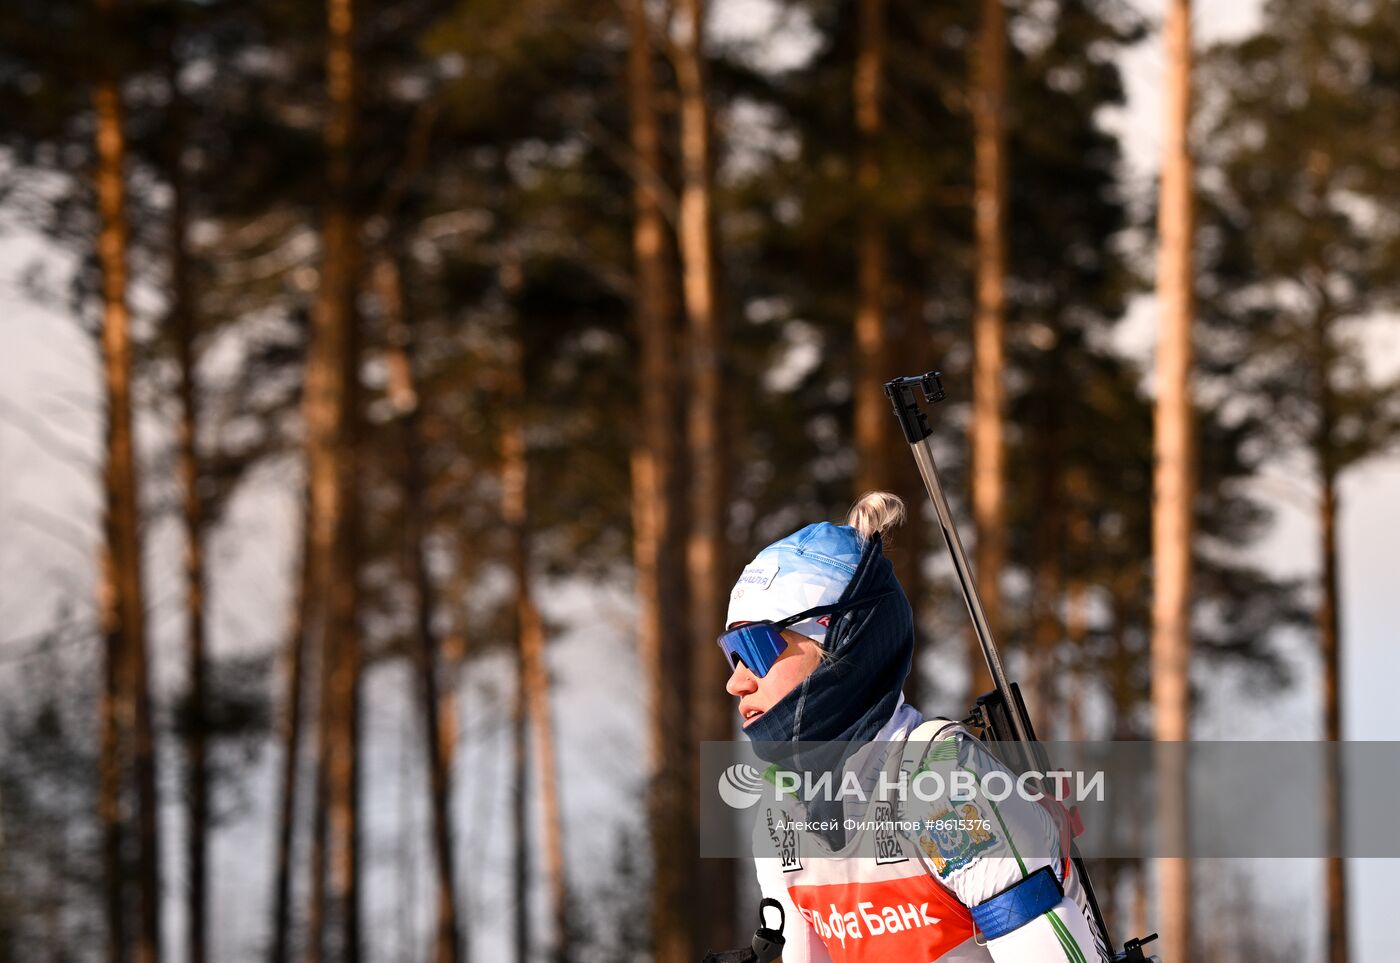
(876, 512)
(873, 512)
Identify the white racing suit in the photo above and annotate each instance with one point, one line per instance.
(891, 907)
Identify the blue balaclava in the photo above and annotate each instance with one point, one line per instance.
(852, 694)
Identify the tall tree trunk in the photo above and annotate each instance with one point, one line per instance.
(907, 546)
(122, 602)
(534, 678)
(404, 396)
(294, 661)
(343, 789)
(1126, 587)
(1048, 540)
(116, 711)
(113, 736)
(513, 485)
(519, 808)
(658, 503)
(454, 657)
(1329, 626)
(343, 776)
(1329, 637)
(686, 878)
(1076, 633)
(1047, 631)
(406, 895)
(185, 329)
(331, 401)
(989, 325)
(320, 829)
(1080, 541)
(874, 439)
(542, 726)
(1173, 481)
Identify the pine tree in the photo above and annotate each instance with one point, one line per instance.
(122, 599)
(331, 411)
(403, 393)
(987, 95)
(870, 420)
(707, 549)
(658, 485)
(185, 329)
(1173, 481)
(1295, 264)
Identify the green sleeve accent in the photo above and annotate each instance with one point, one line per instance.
(1010, 841)
(1068, 943)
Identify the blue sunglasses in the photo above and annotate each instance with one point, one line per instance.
(759, 644)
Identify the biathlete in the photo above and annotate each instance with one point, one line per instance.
(820, 637)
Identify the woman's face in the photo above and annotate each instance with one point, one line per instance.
(796, 662)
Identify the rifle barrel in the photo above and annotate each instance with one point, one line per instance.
(928, 470)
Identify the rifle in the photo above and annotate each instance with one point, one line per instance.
(999, 714)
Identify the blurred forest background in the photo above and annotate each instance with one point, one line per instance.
(440, 363)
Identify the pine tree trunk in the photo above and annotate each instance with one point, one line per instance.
(1127, 588)
(519, 807)
(907, 545)
(294, 662)
(520, 738)
(112, 738)
(534, 678)
(542, 726)
(403, 394)
(343, 757)
(1173, 482)
(988, 326)
(1047, 630)
(873, 433)
(658, 503)
(703, 885)
(148, 947)
(1080, 538)
(454, 657)
(1330, 634)
(344, 770)
(331, 401)
(185, 328)
(116, 712)
(1329, 637)
(122, 603)
(1076, 633)
(320, 833)
(1048, 540)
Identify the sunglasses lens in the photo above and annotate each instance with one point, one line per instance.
(757, 645)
